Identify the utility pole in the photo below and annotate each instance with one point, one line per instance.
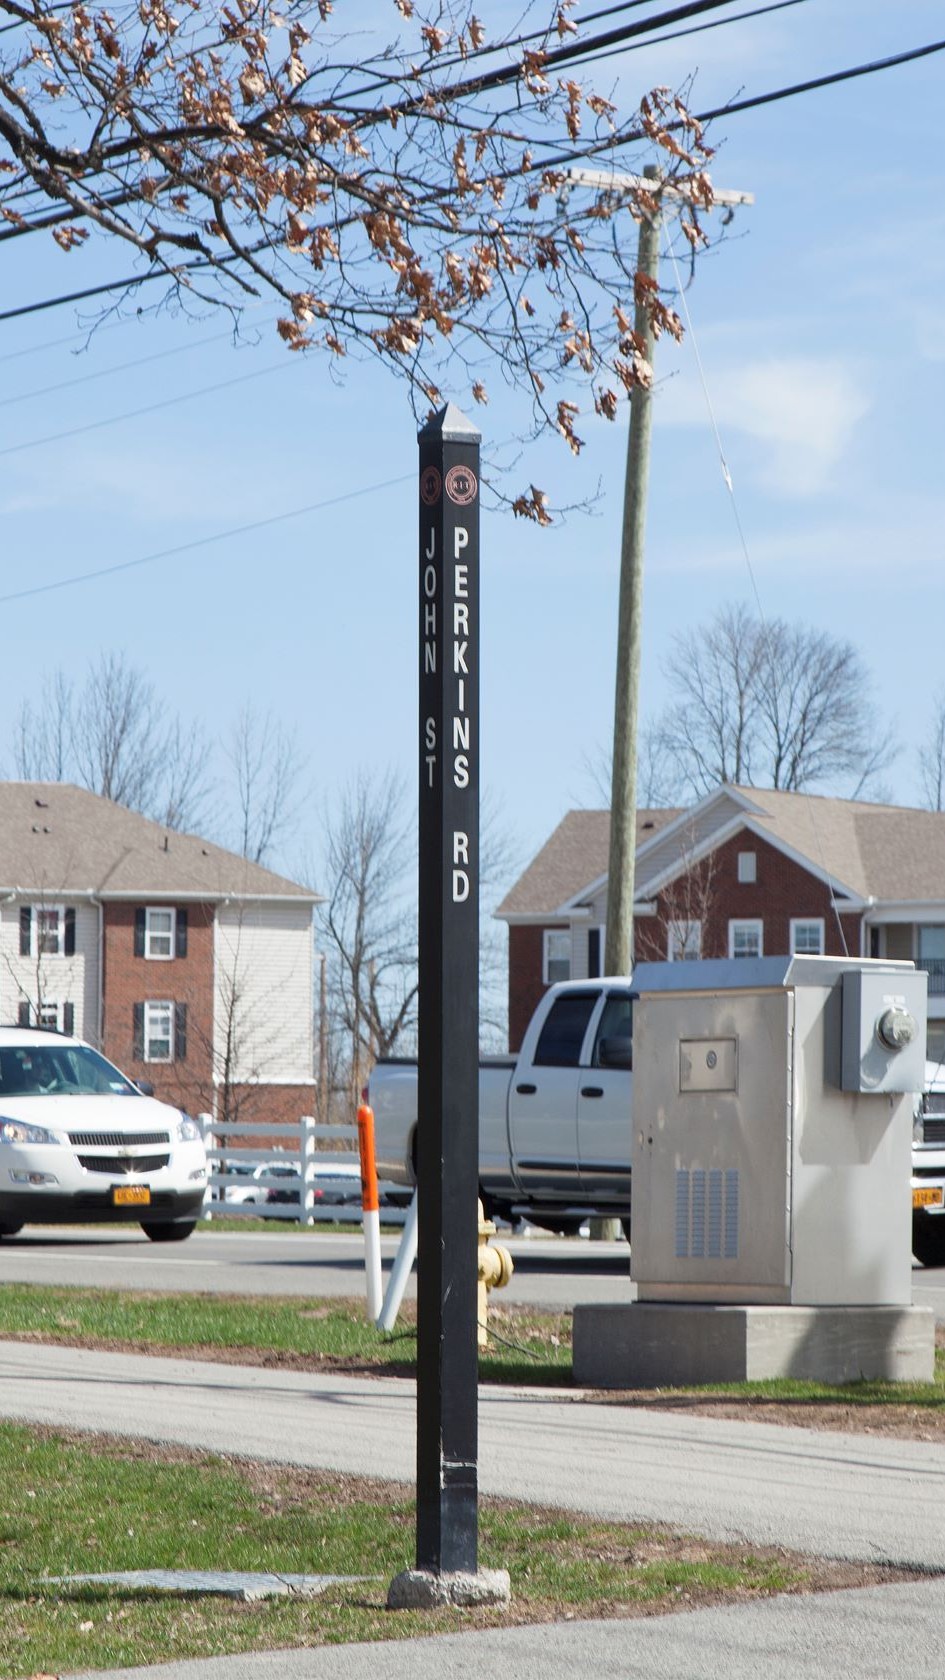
(618, 941)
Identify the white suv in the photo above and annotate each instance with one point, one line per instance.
(80, 1143)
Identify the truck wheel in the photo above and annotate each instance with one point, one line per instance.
(928, 1239)
(169, 1230)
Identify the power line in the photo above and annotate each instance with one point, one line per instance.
(119, 367)
(150, 408)
(823, 81)
(562, 158)
(201, 542)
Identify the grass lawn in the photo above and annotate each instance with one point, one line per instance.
(528, 1345)
(78, 1504)
(330, 1334)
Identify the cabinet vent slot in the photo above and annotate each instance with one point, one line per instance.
(707, 1214)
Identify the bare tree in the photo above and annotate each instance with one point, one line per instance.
(186, 787)
(42, 749)
(402, 199)
(932, 757)
(117, 738)
(658, 780)
(771, 705)
(369, 923)
(684, 925)
(114, 736)
(267, 764)
(712, 730)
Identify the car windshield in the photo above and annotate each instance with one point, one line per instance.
(60, 1070)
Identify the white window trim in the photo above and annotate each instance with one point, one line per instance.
(156, 1004)
(749, 862)
(746, 922)
(36, 910)
(807, 921)
(160, 910)
(547, 935)
(687, 927)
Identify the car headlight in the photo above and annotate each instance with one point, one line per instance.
(187, 1130)
(16, 1131)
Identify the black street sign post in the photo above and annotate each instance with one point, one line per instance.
(448, 1036)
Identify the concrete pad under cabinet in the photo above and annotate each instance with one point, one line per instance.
(656, 1344)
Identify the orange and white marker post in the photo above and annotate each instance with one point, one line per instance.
(371, 1211)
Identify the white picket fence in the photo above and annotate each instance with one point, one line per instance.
(299, 1147)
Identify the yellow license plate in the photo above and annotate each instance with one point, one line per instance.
(130, 1195)
(931, 1196)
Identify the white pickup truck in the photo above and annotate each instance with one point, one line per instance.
(554, 1122)
(928, 1170)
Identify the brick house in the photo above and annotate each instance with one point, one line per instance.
(744, 872)
(187, 965)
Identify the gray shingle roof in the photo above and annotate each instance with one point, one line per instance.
(574, 857)
(888, 852)
(58, 838)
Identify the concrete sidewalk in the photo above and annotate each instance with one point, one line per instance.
(850, 1496)
(864, 1497)
(883, 1633)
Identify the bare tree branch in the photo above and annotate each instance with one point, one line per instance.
(401, 198)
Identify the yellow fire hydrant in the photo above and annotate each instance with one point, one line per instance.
(494, 1271)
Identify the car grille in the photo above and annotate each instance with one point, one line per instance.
(118, 1165)
(933, 1128)
(115, 1140)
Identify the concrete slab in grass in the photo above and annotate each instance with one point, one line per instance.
(223, 1582)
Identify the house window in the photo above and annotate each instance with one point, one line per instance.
(745, 939)
(159, 934)
(684, 941)
(58, 1017)
(47, 930)
(159, 1032)
(807, 936)
(556, 955)
(747, 867)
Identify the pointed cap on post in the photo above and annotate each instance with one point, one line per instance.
(450, 424)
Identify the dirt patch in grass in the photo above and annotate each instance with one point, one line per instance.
(912, 1423)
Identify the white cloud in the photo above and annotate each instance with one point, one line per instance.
(800, 412)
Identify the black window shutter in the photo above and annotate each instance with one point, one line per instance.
(138, 1023)
(26, 922)
(593, 953)
(140, 919)
(181, 935)
(23, 1012)
(180, 1032)
(68, 1018)
(69, 942)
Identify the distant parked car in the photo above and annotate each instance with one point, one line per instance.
(80, 1143)
(334, 1184)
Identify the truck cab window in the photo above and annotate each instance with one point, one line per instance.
(561, 1037)
(616, 1023)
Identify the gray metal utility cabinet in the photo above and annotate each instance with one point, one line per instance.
(772, 1127)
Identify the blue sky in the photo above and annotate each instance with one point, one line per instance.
(820, 334)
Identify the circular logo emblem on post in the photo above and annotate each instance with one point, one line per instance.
(461, 485)
(430, 485)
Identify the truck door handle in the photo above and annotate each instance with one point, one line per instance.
(526, 1090)
(592, 1090)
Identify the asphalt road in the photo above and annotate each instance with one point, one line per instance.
(549, 1271)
